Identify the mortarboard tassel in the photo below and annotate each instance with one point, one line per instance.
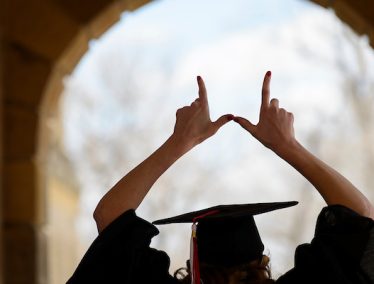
(194, 256)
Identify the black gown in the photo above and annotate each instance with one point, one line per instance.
(342, 251)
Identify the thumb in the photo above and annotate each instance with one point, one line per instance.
(222, 121)
(246, 124)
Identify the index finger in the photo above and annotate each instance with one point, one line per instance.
(202, 90)
(266, 90)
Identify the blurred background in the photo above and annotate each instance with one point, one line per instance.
(82, 105)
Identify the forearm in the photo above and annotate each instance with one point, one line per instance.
(333, 187)
(193, 125)
(275, 131)
(130, 191)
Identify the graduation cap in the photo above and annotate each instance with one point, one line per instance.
(224, 235)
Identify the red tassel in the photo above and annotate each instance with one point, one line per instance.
(194, 256)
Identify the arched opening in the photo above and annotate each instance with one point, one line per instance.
(302, 39)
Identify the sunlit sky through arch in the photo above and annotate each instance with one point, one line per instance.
(119, 105)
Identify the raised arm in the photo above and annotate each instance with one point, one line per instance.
(275, 131)
(193, 126)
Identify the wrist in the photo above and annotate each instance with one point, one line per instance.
(179, 146)
(287, 150)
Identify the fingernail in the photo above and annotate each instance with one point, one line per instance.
(268, 73)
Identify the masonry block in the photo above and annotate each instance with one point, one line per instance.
(20, 132)
(1, 160)
(39, 25)
(20, 197)
(51, 99)
(351, 16)
(104, 20)
(84, 10)
(25, 77)
(131, 5)
(73, 52)
(20, 254)
(365, 8)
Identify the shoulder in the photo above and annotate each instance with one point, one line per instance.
(342, 250)
(340, 220)
(128, 227)
(121, 253)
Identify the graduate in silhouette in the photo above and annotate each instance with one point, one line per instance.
(226, 246)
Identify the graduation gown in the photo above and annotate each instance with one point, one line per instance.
(342, 251)
(121, 255)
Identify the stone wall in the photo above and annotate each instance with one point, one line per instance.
(43, 41)
(1, 142)
(359, 14)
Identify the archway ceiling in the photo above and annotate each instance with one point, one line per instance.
(359, 14)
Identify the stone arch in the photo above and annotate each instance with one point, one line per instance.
(357, 14)
(41, 42)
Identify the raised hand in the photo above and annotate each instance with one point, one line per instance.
(275, 127)
(193, 124)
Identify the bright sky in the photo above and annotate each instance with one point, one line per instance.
(135, 77)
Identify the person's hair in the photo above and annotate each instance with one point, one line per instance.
(255, 272)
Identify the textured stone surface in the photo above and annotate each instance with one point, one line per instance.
(351, 16)
(1, 147)
(359, 14)
(25, 76)
(130, 5)
(20, 126)
(40, 26)
(73, 52)
(20, 194)
(364, 8)
(20, 248)
(44, 41)
(103, 21)
(84, 10)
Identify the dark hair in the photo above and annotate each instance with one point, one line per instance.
(255, 272)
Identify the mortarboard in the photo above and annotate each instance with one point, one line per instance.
(224, 235)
